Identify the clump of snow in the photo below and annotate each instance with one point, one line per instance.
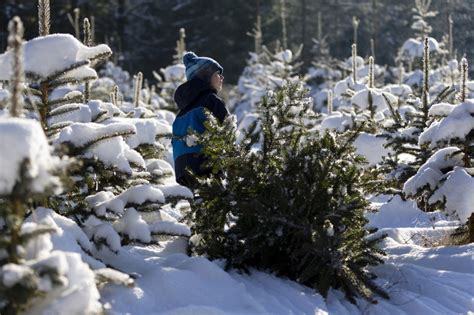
(402, 91)
(413, 48)
(111, 151)
(103, 201)
(458, 193)
(132, 225)
(176, 190)
(64, 93)
(175, 72)
(341, 88)
(50, 55)
(11, 274)
(171, 228)
(159, 167)
(165, 115)
(81, 135)
(77, 295)
(77, 75)
(361, 99)
(69, 237)
(441, 109)
(457, 125)
(285, 56)
(70, 112)
(371, 147)
(339, 121)
(39, 246)
(147, 129)
(23, 140)
(98, 107)
(114, 276)
(430, 173)
(105, 232)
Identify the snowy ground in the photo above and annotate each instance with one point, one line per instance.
(420, 279)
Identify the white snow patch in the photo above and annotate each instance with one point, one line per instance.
(371, 147)
(429, 174)
(457, 125)
(20, 140)
(458, 192)
(111, 151)
(132, 225)
(400, 213)
(49, 55)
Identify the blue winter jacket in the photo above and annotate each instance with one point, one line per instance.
(192, 97)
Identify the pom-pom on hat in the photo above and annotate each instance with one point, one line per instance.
(199, 66)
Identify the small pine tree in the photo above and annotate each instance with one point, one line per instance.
(115, 162)
(294, 192)
(28, 176)
(403, 132)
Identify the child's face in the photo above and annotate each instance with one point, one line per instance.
(216, 81)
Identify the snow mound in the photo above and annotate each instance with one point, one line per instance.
(400, 213)
(399, 90)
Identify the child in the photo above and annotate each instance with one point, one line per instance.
(204, 81)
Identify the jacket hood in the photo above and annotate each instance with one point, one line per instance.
(188, 92)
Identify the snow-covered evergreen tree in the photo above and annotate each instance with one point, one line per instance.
(445, 180)
(412, 50)
(117, 186)
(33, 278)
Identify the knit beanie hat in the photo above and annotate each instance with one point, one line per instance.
(200, 66)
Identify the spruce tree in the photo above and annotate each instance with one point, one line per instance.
(289, 200)
(435, 184)
(28, 175)
(116, 180)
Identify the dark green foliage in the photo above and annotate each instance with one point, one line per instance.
(290, 200)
